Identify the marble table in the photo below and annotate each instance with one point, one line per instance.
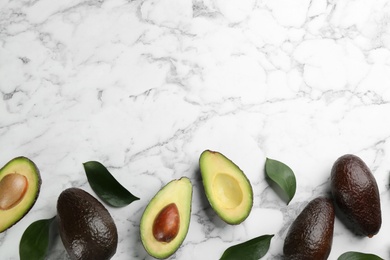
(145, 86)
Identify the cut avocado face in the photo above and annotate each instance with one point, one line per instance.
(20, 184)
(227, 188)
(165, 221)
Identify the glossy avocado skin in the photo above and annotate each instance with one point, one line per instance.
(356, 195)
(86, 228)
(311, 234)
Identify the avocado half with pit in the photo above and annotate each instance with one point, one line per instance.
(165, 221)
(20, 183)
(226, 186)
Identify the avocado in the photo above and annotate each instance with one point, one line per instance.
(166, 219)
(356, 195)
(311, 234)
(227, 188)
(20, 183)
(86, 228)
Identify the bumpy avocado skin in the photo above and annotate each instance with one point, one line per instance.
(356, 195)
(86, 228)
(311, 234)
(11, 167)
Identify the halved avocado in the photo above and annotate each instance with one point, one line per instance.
(20, 183)
(226, 186)
(165, 221)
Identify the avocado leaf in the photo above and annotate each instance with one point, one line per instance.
(34, 243)
(106, 186)
(252, 249)
(282, 175)
(358, 256)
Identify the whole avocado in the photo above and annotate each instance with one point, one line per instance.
(356, 195)
(311, 234)
(86, 228)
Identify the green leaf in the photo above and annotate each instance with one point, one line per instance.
(106, 186)
(34, 243)
(252, 249)
(358, 256)
(283, 176)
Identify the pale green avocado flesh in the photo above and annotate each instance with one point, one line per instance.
(226, 186)
(20, 183)
(177, 193)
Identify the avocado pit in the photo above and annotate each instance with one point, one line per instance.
(13, 187)
(166, 224)
(227, 190)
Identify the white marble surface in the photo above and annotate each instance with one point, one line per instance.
(145, 86)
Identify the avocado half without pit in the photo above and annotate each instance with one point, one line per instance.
(165, 221)
(20, 183)
(226, 186)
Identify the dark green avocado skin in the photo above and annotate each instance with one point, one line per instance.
(311, 234)
(356, 195)
(87, 230)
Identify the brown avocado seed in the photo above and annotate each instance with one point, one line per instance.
(13, 187)
(167, 223)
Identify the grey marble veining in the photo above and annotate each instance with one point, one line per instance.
(145, 86)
